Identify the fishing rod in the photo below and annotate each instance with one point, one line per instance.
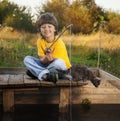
(67, 27)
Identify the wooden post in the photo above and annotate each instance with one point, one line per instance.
(8, 100)
(63, 104)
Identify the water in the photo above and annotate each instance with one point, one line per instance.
(50, 113)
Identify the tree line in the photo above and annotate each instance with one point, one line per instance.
(85, 16)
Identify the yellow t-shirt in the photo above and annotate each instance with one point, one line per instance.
(58, 49)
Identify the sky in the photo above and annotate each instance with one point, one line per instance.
(113, 5)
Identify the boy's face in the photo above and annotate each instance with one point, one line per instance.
(47, 30)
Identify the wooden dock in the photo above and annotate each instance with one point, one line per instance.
(17, 88)
(14, 80)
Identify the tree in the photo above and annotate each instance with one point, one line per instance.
(6, 8)
(85, 15)
(13, 15)
(57, 8)
(113, 25)
(79, 16)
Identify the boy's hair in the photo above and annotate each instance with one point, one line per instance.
(47, 18)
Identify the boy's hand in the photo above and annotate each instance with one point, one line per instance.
(48, 56)
(48, 50)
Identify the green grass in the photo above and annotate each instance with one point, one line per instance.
(12, 53)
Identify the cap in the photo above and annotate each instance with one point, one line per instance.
(47, 18)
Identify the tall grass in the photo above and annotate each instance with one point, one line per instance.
(82, 49)
(12, 52)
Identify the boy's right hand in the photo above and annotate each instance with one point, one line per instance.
(48, 56)
(48, 50)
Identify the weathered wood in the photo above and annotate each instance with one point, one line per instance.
(16, 79)
(64, 100)
(63, 104)
(116, 83)
(4, 79)
(44, 95)
(70, 83)
(33, 91)
(12, 70)
(105, 94)
(107, 76)
(8, 100)
(30, 82)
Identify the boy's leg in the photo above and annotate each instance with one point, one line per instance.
(40, 71)
(57, 64)
(35, 67)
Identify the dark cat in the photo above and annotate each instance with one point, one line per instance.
(79, 72)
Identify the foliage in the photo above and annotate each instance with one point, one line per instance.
(104, 58)
(75, 18)
(13, 53)
(88, 18)
(85, 16)
(86, 104)
(58, 8)
(113, 25)
(114, 64)
(13, 15)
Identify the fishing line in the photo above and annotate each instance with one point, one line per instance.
(70, 92)
(99, 50)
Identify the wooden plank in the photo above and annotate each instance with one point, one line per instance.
(97, 99)
(106, 93)
(12, 70)
(96, 91)
(47, 84)
(103, 84)
(65, 83)
(29, 81)
(8, 100)
(16, 79)
(4, 79)
(70, 83)
(44, 95)
(76, 98)
(107, 76)
(115, 83)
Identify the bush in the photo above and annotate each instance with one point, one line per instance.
(104, 58)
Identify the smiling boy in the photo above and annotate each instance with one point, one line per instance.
(50, 59)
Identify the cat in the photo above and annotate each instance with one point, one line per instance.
(81, 73)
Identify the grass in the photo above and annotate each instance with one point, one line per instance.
(82, 49)
(107, 41)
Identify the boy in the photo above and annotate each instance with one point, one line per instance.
(50, 59)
